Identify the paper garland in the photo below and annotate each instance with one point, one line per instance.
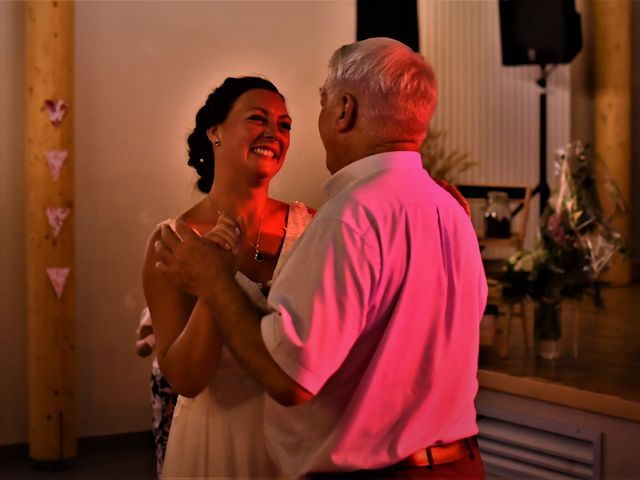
(55, 160)
(58, 278)
(56, 217)
(57, 109)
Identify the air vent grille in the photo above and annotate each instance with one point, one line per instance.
(514, 445)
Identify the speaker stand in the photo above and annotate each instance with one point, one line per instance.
(543, 187)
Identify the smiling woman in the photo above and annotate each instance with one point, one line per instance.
(238, 145)
(255, 134)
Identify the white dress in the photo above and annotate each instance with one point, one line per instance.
(220, 432)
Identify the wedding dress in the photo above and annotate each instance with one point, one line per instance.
(220, 433)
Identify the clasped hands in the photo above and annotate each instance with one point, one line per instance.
(194, 261)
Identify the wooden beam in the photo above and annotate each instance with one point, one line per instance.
(51, 362)
(612, 123)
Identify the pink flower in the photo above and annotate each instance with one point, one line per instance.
(558, 235)
(553, 222)
(555, 228)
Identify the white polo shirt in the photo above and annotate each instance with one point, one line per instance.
(377, 313)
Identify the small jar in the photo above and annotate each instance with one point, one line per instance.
(497, 216)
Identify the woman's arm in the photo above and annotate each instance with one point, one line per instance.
(188, 346)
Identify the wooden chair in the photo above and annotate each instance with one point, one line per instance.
(519, 201)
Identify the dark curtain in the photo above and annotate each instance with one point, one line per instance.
(397, 19)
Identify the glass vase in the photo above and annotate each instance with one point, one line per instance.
(497, 216)
(547, 328)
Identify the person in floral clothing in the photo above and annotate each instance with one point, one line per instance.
(163, 398)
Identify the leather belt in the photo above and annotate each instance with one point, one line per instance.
(440, 453)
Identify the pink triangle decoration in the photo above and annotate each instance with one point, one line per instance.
(56, 217)
(57, 109)
(58, 277)
(55, 160)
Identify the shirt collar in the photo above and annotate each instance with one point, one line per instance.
(367, 166)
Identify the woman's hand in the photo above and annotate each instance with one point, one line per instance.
(228, 233)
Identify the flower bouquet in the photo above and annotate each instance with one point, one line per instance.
(574, 245)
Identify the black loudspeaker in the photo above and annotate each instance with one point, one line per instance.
(539, 31)
(384, 18)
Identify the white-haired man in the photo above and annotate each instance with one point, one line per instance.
(369, 350)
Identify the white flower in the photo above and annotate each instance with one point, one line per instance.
(525, 264)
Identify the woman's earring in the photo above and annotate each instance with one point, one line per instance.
(217, 142)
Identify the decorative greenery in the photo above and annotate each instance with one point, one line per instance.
(442, 164)
(575, 242)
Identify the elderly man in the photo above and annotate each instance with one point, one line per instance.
(369, 349)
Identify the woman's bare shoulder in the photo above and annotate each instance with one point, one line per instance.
(199, 218)
(195, 217)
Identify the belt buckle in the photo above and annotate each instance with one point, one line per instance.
(428, 450)
(430, 457)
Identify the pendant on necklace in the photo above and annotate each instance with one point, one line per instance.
(259, 257)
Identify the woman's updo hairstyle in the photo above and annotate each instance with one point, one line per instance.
(214, 112)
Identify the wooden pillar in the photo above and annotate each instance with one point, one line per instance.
(612, 124)
(583, 79)
(51, 315)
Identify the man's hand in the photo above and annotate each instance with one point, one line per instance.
(193, 262)
(455, 193)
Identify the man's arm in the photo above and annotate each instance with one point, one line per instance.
(206, 270)
(238, 321)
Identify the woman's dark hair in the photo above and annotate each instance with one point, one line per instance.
(214, 112)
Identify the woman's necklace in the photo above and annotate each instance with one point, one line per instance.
(258, 255)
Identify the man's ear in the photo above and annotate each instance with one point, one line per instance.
(348, 113)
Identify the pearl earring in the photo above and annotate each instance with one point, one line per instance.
(217, 142)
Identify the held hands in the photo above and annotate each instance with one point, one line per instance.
(195, 262)
(228, 233)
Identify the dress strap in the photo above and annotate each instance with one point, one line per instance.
(298, 219)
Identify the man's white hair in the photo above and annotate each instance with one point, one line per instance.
(397, 86)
